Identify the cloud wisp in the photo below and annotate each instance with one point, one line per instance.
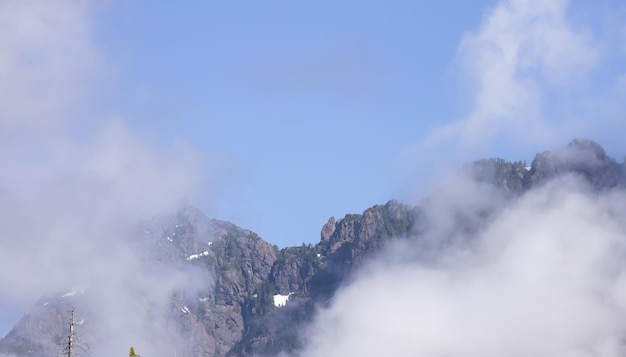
(67, 200)
(541, 275)
(522, 50)
(544, 278)
(529, 73)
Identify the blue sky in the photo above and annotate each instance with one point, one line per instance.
(302, 109)
(276, 115)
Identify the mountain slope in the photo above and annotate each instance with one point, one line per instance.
(246, 297)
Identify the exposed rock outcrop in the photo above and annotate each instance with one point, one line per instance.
(233, 311)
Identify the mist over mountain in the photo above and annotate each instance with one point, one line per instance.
(527, 252)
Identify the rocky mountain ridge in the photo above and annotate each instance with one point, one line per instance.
(252, 298)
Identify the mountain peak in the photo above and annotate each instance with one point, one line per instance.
(236, 277)
(587, 146)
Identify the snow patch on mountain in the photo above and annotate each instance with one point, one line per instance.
(196, 256)
(281, 300)
(73, 292)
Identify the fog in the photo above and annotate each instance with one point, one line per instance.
(542, 275)
(539, 275)
(75, 178)
(545, 277)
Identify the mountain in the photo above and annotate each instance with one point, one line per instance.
(247, 297)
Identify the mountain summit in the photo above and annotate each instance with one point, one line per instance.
(227, 292)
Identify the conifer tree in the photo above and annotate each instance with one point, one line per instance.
(132, 352)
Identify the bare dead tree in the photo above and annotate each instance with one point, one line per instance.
(72, 340)
(69, 348)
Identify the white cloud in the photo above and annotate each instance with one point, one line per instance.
(47, 62)
(64, 185)
(541, 276)
(73, 179)
(545, 278)
(523, 53)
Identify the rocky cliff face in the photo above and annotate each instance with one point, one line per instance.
(312, 274)
(249, 297)
(584, 158)
(228, 263)
(41, 331)
(581, 157)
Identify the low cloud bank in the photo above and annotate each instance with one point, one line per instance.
(539, 275)
(75, 179)
(545, 277)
